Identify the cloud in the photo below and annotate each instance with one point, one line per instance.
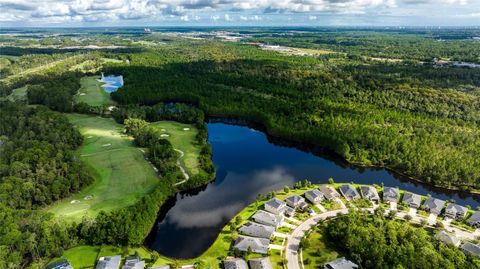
(312, 18)
(227, 18)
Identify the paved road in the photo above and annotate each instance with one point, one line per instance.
(293, 240)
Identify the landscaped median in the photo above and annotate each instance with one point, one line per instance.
(337, 199)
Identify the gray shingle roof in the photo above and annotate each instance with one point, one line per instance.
(412, 199)
(267, 218)
(329, 192)
(349, 191)
(260, 263)
(276, 203)
(295, 200)
(447, 238)
(455, 209)
(471, 248)
(369, 192)
(434, 205)
(257, 230)
(341, 263)
(109, 262)
(255, 244)
(391, 194)
(475, 218)
(235, 263)
(314, 195)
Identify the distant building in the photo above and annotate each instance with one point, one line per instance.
(257, 230)
(349, 192)
(455, 211)
(433, 205)
(133, 262)
(110, 262)
(471, 249)
(447, 238)
(329, 192)
(314, 196)
(390, 194)
(267, 218)
(61, 264)
(296, 201)
(369, 193)
(235, 263)
(412, 200)
(340, 263)
(255, 244)
(474, 220)
(260, 263)
(275, 206)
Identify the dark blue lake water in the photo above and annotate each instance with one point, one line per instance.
(248, 164)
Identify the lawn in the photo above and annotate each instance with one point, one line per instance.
(318, 253)
(182, 137)
(122, 175)
(18, 94)
(92, 93)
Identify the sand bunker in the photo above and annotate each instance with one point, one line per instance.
(74, 202)
(163, 130)
(82, 94)
(186, 129)
(106, 145)
(90, 136)
(88, 197)
(164, 135)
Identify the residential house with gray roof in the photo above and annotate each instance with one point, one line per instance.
(314, 196)
(340, 263)
(260, 263)
(133, 262)
(349, 192)
(267, 218)
(109, 262)
(413, 200)
(474, 220)
(275, 206)
(296, 201)
(257, 230)
(471, 249)
(448, 239)
(369, 193)
(329, 192)
(433, 205)
(235, 263)
(255, 244)
(455, 211)
(391, 194)
(60, 264)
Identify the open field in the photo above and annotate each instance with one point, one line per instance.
(122, 174)
(18, 94)
(92, 92)
(182, 137)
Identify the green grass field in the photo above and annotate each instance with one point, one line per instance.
(122, 175)
(92, 93)
(18, 94)
(182, 137)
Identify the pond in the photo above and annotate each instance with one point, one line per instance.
(248, 164)
(112, 83)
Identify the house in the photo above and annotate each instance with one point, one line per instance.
(314, 196)
(369, 193)
(349, 192)
(329, 192)
(296, 201)
(260, 263)
(235, 263)
(390, 194)
(160, 267)
(433, 205)
(275, 206)
(267, 218)
(474, 220)
(455, 211)
(109, 262)
(340, 263)
(471, 249)
(254, 244)
(133, 262)
(60, 264)
(448, 239)
(413, 200)
(256, 230)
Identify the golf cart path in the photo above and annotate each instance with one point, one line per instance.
(181, 167)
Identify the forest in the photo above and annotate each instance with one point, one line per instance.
(378, 242)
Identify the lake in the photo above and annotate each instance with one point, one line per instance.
(112, 83)
(248, 164)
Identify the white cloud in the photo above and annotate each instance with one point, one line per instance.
(312, 18)
(228, 18)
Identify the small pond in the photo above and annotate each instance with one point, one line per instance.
(111, 82)
(247, 164)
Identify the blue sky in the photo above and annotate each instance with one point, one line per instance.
(239, 12)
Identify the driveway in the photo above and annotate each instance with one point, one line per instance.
(412, 212)
(432, 219)
(393, 206)
(321, 208)
(293, 241)
(277, 247)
